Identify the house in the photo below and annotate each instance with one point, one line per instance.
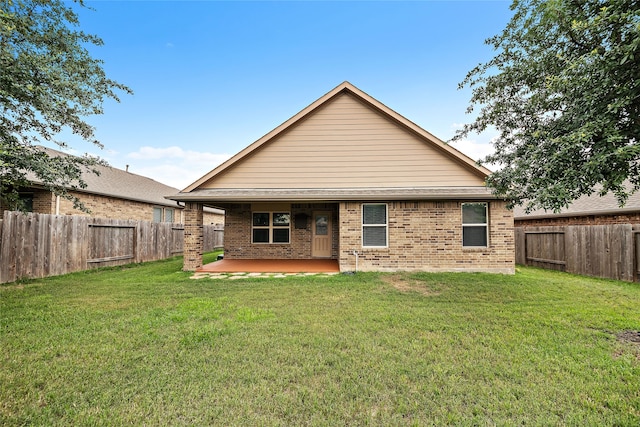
(587, 210)
(114, 194)
(349, 179)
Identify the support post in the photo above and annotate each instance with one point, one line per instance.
(193, 237)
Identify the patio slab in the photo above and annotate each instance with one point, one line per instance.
(282, 266)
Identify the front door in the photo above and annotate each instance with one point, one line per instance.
(321, 240)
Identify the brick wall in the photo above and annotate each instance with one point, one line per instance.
(111, 207)
(423, 236)
(107, 207)
(44, 202)
(237, 234)
(630, 218)
(427, 236)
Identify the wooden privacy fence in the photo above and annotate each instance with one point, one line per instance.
(40, 245)
(609, 251)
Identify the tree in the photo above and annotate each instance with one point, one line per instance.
(563, 92)
(48, 83)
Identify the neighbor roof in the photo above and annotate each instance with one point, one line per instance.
(118, 183)
(585, 206)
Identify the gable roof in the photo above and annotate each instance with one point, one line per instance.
(118, 183)
(223, 173)
(585, 206)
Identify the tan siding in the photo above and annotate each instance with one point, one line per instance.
(346, 144)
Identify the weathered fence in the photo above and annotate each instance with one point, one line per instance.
(39, 245)
(610, 251)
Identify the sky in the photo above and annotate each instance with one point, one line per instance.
(211, 77)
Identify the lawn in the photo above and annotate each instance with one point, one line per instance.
(146, 344)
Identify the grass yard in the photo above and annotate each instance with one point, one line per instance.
(146, 344)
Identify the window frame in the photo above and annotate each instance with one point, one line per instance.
(271, 227)
(169, 215)
(160, 211)
(385, 226)
(485, 224)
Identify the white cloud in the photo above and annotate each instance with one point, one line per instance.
(173, 166)
(473, 149)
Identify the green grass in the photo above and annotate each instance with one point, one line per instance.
(146, 344)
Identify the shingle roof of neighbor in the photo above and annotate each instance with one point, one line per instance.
(118, 183)
(586, 205)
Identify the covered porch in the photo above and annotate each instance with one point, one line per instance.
(271, 266)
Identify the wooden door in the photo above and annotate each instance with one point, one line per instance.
(321, 240)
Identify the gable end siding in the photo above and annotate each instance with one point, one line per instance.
(343, 144)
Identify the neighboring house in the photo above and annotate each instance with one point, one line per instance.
(114, 194)
(349, 179)
(587, 210)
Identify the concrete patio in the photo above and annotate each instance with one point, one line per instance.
(271, 266)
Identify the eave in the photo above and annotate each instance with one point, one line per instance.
(297, 195)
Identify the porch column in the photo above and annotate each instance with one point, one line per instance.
(193, 237)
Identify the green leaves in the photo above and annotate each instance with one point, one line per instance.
(48, 83)
(563, 91)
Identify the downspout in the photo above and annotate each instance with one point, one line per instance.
(356, 254)
(57, 205)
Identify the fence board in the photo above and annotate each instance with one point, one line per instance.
(40, 245)
(609, 251)
(636, 245)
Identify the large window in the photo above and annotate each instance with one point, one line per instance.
(475, 226)
(271, 227)
(374, 225)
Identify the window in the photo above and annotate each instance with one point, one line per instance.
(374, 225)
(157, 214)
(163, 214)
(27, 201)
(168, 215)
(474, 225)
(271, 227)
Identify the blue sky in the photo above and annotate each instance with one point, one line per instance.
(210, 77)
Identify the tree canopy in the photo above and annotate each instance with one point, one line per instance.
(48, 83)
(563, 92)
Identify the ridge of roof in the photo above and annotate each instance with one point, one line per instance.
(370, 101)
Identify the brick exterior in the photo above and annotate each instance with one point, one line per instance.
(108, 207)
(193, 237)
(629, 218)
(427, 236)
(423, 236)
(111, 207)
(237, 234)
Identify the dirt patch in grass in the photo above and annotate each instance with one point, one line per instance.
(406, 284)
(629, 336)
(630, 344)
